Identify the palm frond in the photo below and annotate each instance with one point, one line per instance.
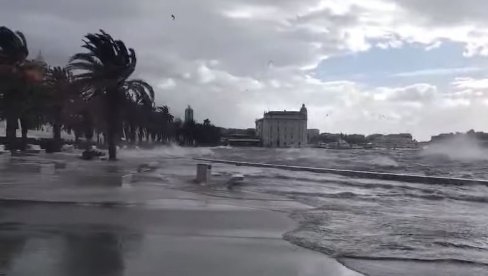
(13, 47)
(140, 92)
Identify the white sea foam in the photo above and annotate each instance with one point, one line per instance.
(458, 148)
(173, 151)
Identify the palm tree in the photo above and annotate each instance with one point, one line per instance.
(138, 106)
(13, 53)
(62, 92)
(206, 123)
(103, 71)
(13, 49)
(163, 122)
(31, 109)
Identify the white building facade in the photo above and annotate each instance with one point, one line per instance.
(283, 128)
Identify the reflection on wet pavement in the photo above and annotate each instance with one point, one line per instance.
(60, 240)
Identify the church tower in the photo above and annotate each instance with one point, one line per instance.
(303, 110)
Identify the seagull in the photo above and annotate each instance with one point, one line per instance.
(173, 17)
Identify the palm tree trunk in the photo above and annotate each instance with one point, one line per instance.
(57, 128)
(112, 124)
(24, 136)
(132, 134)
(57, 132)
(24, 129)
(11, 131)
(56, 145)
(112, 149)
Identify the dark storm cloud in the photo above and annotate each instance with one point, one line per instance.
(240, 57)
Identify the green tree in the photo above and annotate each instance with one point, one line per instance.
(32, 108)
(13, 54)
(103, 72)
(61, 93)
(137, 118)
(164, 121)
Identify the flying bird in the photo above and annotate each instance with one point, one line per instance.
(173, 17)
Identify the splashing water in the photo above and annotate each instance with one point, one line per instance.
(458, 148)
(442, 226)
(171, 151)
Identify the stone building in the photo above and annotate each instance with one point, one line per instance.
(283, 128)
(189, 115)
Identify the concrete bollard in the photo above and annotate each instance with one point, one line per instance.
(234, 180)
(237, 177)
(204, 173)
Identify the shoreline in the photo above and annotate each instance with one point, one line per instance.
(173, 191)
(245, 230)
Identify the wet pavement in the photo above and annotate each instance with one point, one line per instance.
(59, 239)
(75, 222)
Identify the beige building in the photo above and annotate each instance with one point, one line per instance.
(283, 128)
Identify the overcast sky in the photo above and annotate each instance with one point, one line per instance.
(360, 66)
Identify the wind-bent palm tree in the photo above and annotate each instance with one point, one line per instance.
(137, 107)
(103, 71)
(13, 54)
(13, 48)
(163, 123)
(62, 92)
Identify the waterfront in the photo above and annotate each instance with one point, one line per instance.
(437, 229)
(373, 226)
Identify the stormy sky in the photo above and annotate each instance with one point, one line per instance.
(360, 66)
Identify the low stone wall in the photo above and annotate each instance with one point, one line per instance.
(358, 174)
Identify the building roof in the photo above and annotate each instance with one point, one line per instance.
(283, 113)
(297, 115)
(289, 115)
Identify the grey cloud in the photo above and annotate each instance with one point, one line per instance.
(446, 12)
(82, 11)
(237, 53)
(420, 93)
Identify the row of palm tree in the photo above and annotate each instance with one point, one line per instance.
(93, 93)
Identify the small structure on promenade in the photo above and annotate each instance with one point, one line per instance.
(204, 173)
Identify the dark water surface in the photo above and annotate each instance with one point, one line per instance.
(380, 228)
(438, 228)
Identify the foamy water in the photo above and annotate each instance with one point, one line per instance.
(363, 218)
(374, 219)
(172, 151)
